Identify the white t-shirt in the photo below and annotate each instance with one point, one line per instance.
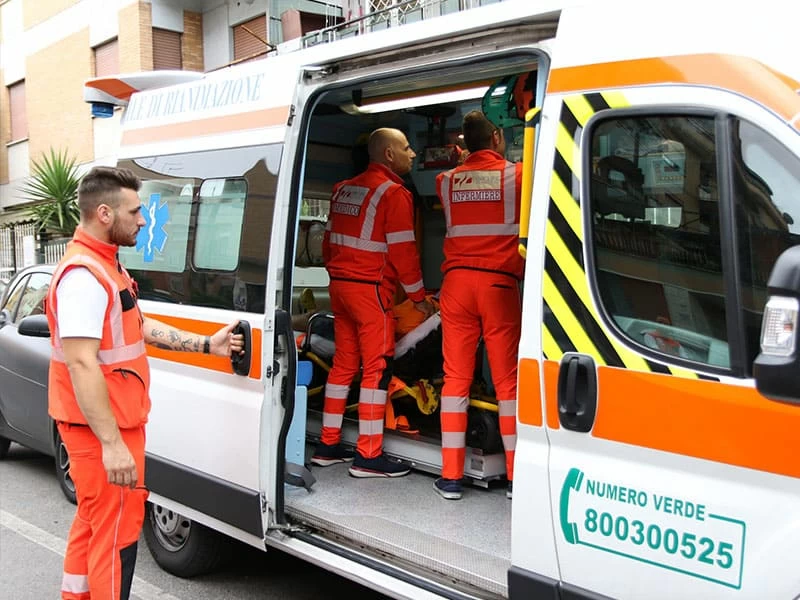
(82, 303)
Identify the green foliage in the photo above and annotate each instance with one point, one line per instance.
(53, 186)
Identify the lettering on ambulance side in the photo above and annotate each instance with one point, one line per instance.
(653, 527)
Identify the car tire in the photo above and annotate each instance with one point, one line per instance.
(180, 546)
(62, 470)
(4, 444)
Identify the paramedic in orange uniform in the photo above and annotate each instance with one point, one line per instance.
(480, 292)
(369, 247)
(99, 380)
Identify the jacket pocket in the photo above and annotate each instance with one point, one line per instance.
(127, 394)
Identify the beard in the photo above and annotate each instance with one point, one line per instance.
(121, 237)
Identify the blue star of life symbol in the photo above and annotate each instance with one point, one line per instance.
(152, 237)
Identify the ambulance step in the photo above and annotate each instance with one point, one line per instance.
(467, 541)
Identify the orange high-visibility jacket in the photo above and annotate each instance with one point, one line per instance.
(370, 233)
(122, 356)
(481, 201)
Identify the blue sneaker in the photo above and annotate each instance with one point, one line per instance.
(325, 455)
(380, 466)
(449, 489)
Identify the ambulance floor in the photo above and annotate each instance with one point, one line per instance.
(468, 540)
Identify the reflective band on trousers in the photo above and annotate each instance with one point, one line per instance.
(74, 584)
(454, 404)
(370, 427)
(333, 390)
(414, 287)
(507, 408)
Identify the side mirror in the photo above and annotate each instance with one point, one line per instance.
(777, 368)
(34, 326)
(5, 317)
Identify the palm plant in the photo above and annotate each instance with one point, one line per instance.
(53, 186)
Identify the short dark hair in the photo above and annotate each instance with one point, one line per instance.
(477, 130)
(102, 185)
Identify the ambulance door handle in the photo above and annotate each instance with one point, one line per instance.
(577, 392)
(241, 362)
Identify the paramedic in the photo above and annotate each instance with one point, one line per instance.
(98, 384)
(369, 247)
(480, 291)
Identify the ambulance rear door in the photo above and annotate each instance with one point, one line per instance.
(670, 476)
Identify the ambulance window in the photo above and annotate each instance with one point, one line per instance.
(767, 188)
(656, 236)
(219, 224)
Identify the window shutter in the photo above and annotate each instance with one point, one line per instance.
(166, 49)
(246, 44)
(19, 116)
(106, 59)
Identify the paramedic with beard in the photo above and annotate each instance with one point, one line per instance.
(369, 246)
(480, 292)
(98, 387)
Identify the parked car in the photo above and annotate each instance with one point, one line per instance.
(24, 364)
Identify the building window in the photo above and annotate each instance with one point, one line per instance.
(166, 49)
(19, 116)
(106, 59)
(249, 38)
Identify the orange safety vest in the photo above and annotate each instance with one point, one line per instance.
(481, 201)
(122, 355)
(370, 233)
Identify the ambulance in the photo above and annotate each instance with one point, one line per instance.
(657, 384)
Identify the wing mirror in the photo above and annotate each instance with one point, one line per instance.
(777, 368)
(5, 317)
(34, 326)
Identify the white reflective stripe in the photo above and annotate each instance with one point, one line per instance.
(121, 354)
(341, 239)
(509, 193)
(414, 287)
(493, 229)
(370, 427)
(372, 209)
(331, 420)
(371, 396)
(334, 390)
(509, 442)
(454, 404)
(445, 189)
(74, 584)
(115, 314)
(452, 439)
(400, 236)
(507, 408)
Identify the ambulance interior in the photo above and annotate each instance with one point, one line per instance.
(406, 518)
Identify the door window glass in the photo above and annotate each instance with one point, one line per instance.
(656, 235)
(32, 300)
(219, 224)
(12, 300)
(767, 189)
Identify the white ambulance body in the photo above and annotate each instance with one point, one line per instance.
(664, 187)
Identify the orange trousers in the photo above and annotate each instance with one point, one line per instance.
(474, 303)
(101, 549)
(364, 336)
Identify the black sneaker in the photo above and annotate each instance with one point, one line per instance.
(380, 466)
(449, 489)
(510, 489)
(325, 455)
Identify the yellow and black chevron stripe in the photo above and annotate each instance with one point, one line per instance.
(570, 322)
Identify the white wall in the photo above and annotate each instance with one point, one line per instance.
(217, 42)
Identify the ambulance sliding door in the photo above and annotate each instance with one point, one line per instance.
(670, 476)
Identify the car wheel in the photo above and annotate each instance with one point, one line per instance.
(62, 471)
(180, 546)
(4, 444)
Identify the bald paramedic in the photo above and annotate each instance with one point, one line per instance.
(98, 389)
(369, 248)
(480, 293)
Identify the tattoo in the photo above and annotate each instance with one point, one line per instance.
(157, 333)
(174, 337)
(161, 345)
(186, 345)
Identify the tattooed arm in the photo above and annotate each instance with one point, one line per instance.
(221, 343)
